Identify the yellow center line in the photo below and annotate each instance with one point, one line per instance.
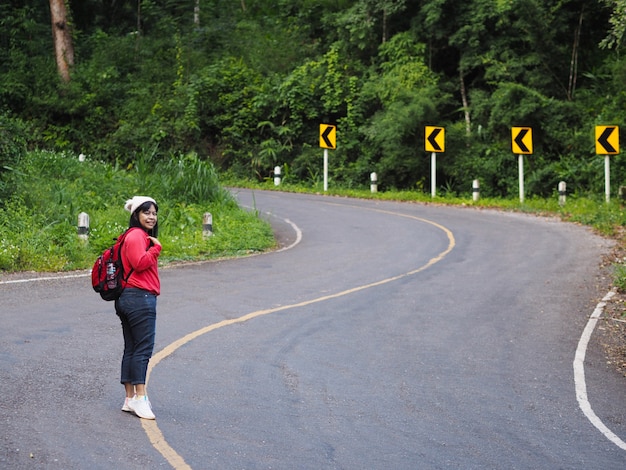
(152, 429)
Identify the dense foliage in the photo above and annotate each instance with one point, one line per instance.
(245, 85)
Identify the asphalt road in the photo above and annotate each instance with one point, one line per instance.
(381, 336)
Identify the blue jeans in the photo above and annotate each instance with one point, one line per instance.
(137, 311)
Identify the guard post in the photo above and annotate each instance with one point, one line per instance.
(276, 176)
(373, 182)
(207, 225)
(475, 190)
(83, 226)
(562, 193)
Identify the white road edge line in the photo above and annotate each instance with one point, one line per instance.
(579, 374)
(50, 278)
(298, 235)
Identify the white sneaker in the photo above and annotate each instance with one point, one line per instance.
(125, 407)
(141, 407)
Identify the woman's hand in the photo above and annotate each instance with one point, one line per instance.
(154, 240)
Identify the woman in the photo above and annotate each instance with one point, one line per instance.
(136, 307)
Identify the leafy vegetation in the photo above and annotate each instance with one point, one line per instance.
(38, 225)
(246, 85)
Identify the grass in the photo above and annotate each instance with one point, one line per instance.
(606, 218)
(44, 193)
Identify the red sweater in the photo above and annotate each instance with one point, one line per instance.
(143, 258)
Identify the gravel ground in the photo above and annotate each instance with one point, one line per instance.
(612, 328)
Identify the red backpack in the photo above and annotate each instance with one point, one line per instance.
(107, 274)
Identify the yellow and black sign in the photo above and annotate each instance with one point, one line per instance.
(522, 140)
(435, 139)
(328, 136)
(607, 140)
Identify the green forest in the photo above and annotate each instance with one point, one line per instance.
(244, 86)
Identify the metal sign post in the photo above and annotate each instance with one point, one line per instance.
(435, 142)
(433, 174)
(328, 140)
(521, 144)
(607, 143)
(325, 170)
(520, 164)
(607, 178)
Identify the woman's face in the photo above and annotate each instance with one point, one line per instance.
(148, 218)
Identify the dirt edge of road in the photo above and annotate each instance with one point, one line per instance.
(612, 325)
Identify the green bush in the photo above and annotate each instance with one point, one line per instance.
(38, 223)
(12, 146)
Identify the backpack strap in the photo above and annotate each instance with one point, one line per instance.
(121, 239)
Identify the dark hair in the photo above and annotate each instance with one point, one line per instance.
(134, 218)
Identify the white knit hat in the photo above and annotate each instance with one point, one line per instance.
(132, 204)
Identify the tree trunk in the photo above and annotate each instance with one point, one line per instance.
(573, 68)
(62, 37)
(196, 14)
(384, 25)
(139, 17)
(466, 111)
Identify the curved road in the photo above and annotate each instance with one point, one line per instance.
(383, 335)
